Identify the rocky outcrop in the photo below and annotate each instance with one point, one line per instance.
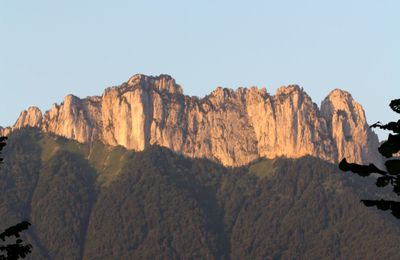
(348, 127)
(5, 131)
(31, 117)
(233, 127)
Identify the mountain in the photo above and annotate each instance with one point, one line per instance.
(233, 127)
(93, 201)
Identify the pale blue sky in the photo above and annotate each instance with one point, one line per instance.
(51, 48)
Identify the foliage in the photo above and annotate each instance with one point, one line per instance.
(2, 144)
(16, 249)
(392, 174)
(163, 205)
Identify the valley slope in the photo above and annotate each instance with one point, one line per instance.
(93, 201)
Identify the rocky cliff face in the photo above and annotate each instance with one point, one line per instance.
(233, 127)
(348, 127)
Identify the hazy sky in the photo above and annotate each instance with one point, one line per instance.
(49, 49)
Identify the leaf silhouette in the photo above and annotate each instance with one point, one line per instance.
(392, 176)
(393, 166)
(394, 206)
(395, 105)
(392, 126)
(391, 146)
(362, 170)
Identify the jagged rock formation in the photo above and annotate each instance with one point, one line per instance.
(348, 126)
(233, 127)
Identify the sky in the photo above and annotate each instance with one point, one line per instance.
(49, 49)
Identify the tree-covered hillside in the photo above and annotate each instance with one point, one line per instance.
(100, 202)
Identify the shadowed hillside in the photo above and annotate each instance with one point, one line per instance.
(96, 201)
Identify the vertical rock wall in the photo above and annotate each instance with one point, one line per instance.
(233, 127)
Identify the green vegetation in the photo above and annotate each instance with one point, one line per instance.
(263, 169)
(100, 202)
(17, 248)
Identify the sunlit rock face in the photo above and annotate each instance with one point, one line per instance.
(348, 127)
(233, 127)
(5, 131)
(31, 117)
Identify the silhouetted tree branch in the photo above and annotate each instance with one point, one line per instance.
(392, 174)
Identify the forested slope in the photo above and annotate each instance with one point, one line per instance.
(100, 202)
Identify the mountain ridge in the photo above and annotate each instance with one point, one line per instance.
(149, 110)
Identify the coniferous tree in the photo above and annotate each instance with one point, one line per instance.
(392, 173)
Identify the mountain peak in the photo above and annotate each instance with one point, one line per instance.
(339, 93)
(31, 117)
(233, 127)
(286, 90)
(163, 82)
(339, 99)
(347, 125)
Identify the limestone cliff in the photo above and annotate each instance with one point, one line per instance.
(233, 127)
(348, 127)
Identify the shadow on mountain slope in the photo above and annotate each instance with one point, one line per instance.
(94, 201)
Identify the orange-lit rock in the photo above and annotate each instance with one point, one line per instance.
(233, 127)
